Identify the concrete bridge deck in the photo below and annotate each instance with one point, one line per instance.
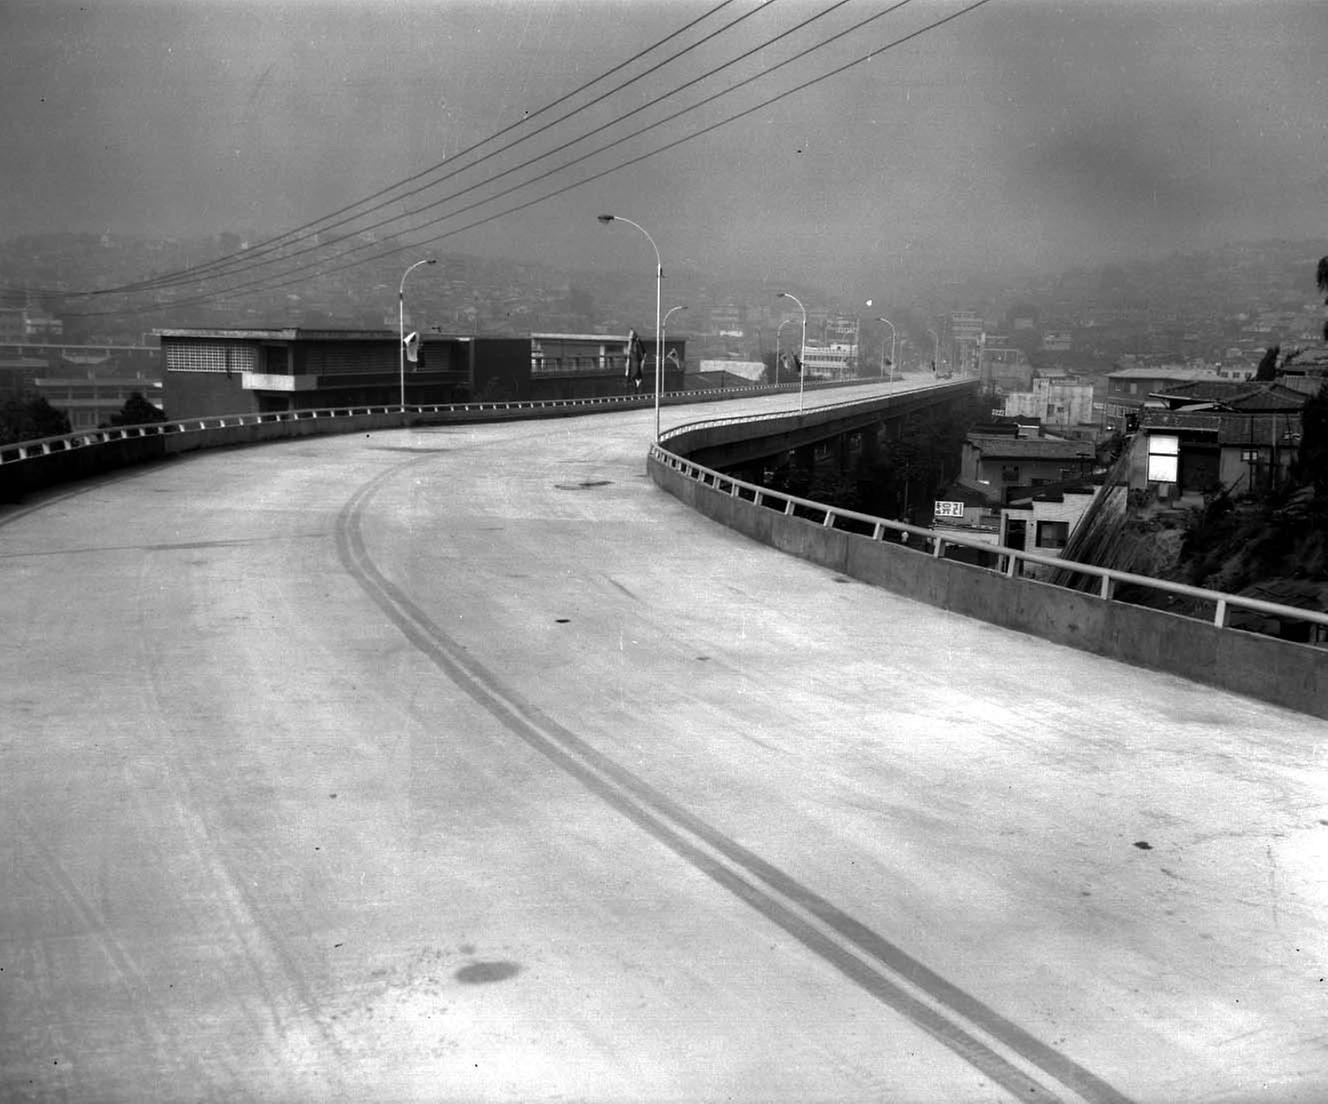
(464, 764)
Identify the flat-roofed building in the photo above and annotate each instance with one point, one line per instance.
(1000, 465)
(90, 401)
(1129, 389)
(237, 371)
(573, 366)
(233, 371)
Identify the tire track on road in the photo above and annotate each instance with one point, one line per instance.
(153, 1027)
(1001, 1050)
(287, 1006)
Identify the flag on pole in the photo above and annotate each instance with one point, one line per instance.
(412, 344)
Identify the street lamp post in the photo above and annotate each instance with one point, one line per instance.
(401, 325)
(892, 349)
(663, 332)
(802, 355)
(779, 330)
(659, 322)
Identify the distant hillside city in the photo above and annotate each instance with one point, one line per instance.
(1212, 314)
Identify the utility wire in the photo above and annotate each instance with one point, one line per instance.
(489, 181)
(319, 225)
(309, 267)
(811, 82)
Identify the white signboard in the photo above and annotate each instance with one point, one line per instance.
(949, 509)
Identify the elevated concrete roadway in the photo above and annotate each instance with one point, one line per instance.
(463, 764)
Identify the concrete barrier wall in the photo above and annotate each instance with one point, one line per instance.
(66, 465)
(1279, 671)
(25, 476)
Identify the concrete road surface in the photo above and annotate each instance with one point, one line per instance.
(462, 764)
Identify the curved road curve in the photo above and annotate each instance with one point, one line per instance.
(461, 763)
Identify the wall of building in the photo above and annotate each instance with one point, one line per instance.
(197, 394)
(1064, 402)
(501, 369)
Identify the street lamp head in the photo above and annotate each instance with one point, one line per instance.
(432, 260)
(782, 295)
(606, 218)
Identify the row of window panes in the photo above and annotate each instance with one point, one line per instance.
(109, 394)
(210, 356)
(547, 365)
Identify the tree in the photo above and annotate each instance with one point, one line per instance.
(1312, 456)
(137, 411)
(1267, 370)
(1321, 279)
(28, 417)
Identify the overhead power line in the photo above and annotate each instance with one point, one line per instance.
(491, 180)
(312, 266)
(325, 222)
(303, 274)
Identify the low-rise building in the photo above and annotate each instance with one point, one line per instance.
(1304, 367)
(90, 401)
(30, 323)
(834, 361)
(1203, 437)
(18, 375)
(1044, 521)
(1004, 368)
(1059, 402)
(1129, 389)
(1001, 466)
(229, 371)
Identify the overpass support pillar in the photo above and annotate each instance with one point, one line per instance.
(842, 452)
(750, 473)
(804, 457)
(871, 444)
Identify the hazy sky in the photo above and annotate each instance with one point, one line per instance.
(1026, 131)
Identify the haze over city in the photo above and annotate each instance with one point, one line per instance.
(1020, 134)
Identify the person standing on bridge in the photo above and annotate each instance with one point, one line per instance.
(636, 355)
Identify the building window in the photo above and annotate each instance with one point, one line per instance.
(1010, 473)
(1163, 458)
(210, 356)
(1052, 534)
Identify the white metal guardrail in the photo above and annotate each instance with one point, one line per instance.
(930, 542)
(25, 450)
(44, 446)
(17, 451)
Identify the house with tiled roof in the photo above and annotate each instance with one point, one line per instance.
(1129, 390)
(1247, 396)
(1304, 367)
(1237, 438)
(999, 465)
